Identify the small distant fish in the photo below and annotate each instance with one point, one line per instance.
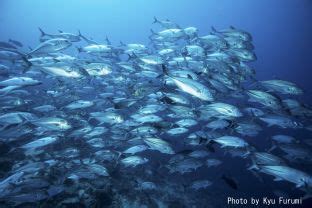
(7, 45)
(40, 142)
(79, 104)
(52, 123)
(230, 182)
(201, 184)
(165, 23)
(15, 42)
(20, 81)
(159, 145)
(133, 161)
(135, 149)
(282, 86)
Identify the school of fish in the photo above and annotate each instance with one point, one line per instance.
(85, 123)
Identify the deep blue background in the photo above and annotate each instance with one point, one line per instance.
(281, 29)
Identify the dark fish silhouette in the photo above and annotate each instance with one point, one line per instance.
(15, 42)
(7, 45)
(230, 182)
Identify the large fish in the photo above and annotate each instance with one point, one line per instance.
(51, 46)
(281, 172)
(20, 81)
(68, 36)
(194, 88)
(281, 86)
(159, 145)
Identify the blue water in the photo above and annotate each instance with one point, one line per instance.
(281, 30)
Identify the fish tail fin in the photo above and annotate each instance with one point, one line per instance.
(24, 58)
(155, 20)
(28, 64)
(210, 142)
(252, 167)
(56, 60)
(249, 150)
(119, 155)
(83, 37)
(164, 69)
(132, 56)
(42, 33)
(89, 41)
(79, 49)
(117, 159)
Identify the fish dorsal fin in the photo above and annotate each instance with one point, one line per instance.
(108, 42)
(213, 30)
(42, 33)
(155, 20)
(122, 43)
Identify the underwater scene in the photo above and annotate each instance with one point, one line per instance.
(155, 104)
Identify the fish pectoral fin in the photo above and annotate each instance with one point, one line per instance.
(51, 44)
(278, 179)
(303, 184)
